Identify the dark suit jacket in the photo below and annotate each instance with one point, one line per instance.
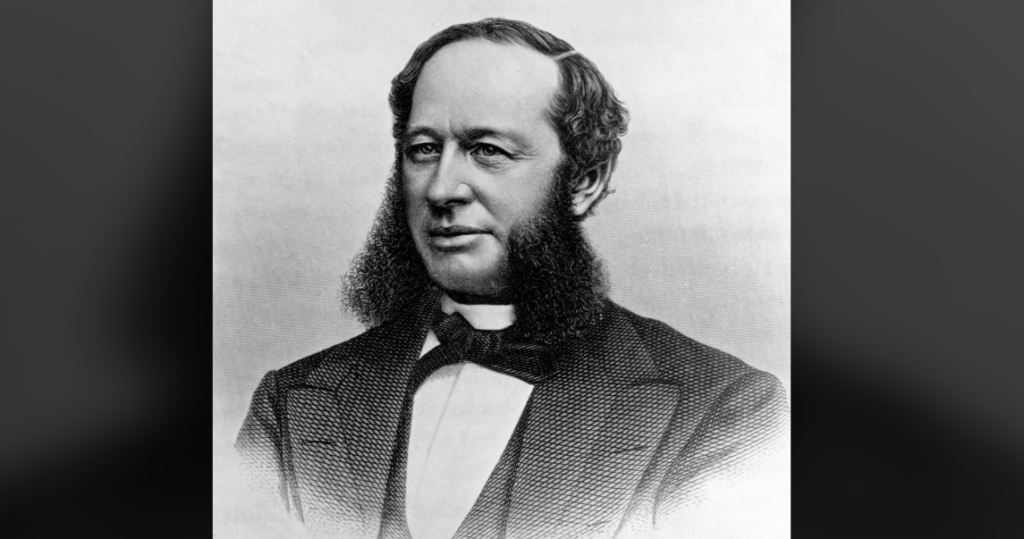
(636, 417)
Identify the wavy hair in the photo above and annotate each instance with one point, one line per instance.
(585, 113)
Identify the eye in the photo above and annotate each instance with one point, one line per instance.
(487, 150)
(423, 149)
(422, 152)
(490, 154)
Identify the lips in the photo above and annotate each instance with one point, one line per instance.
(454, 239)
(453, 231)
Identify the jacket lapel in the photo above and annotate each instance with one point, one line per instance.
(591, 431)
(344, 425)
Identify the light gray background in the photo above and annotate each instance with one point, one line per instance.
(696, 235)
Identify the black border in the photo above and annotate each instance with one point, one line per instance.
(907, 266)
(107, 212)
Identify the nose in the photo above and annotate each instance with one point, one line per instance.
(449, 185)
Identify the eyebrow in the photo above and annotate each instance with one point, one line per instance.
(473, 133)
(418, 131)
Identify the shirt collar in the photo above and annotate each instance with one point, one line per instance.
(484, 317)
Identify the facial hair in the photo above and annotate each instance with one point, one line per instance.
(555, 280)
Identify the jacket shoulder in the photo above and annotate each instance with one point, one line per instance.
(345, 353)
(731, 415)
(679, 358)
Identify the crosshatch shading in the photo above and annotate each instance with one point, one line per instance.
(637, 418)
(626, 419)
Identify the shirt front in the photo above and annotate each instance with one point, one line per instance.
(463, 416)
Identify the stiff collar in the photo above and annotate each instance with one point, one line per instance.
(484, 317)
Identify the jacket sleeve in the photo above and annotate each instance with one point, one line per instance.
(743, 430)
(260, 440)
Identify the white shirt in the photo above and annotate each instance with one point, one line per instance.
(462, 418)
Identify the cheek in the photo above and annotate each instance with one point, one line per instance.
(525, 198)
(413, 196)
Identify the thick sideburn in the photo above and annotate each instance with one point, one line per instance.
(556, 280)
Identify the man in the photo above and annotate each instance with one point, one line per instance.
(498, 392)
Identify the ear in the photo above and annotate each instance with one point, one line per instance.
(590, 187)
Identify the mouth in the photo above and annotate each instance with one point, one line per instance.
(453, 231)
(453, 238)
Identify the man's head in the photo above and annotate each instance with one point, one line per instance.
(479, 160)
(505, 140)
(583, 110)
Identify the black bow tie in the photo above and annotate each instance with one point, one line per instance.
(499, 351)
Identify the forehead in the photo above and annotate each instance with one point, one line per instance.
(479, 83)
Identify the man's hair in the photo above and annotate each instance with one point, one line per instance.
(585, 113)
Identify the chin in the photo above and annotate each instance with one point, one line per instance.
(470, 279)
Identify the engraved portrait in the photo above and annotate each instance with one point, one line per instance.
(501, 269)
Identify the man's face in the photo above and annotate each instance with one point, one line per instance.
(479, 159)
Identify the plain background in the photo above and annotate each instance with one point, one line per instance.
(696, 234)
